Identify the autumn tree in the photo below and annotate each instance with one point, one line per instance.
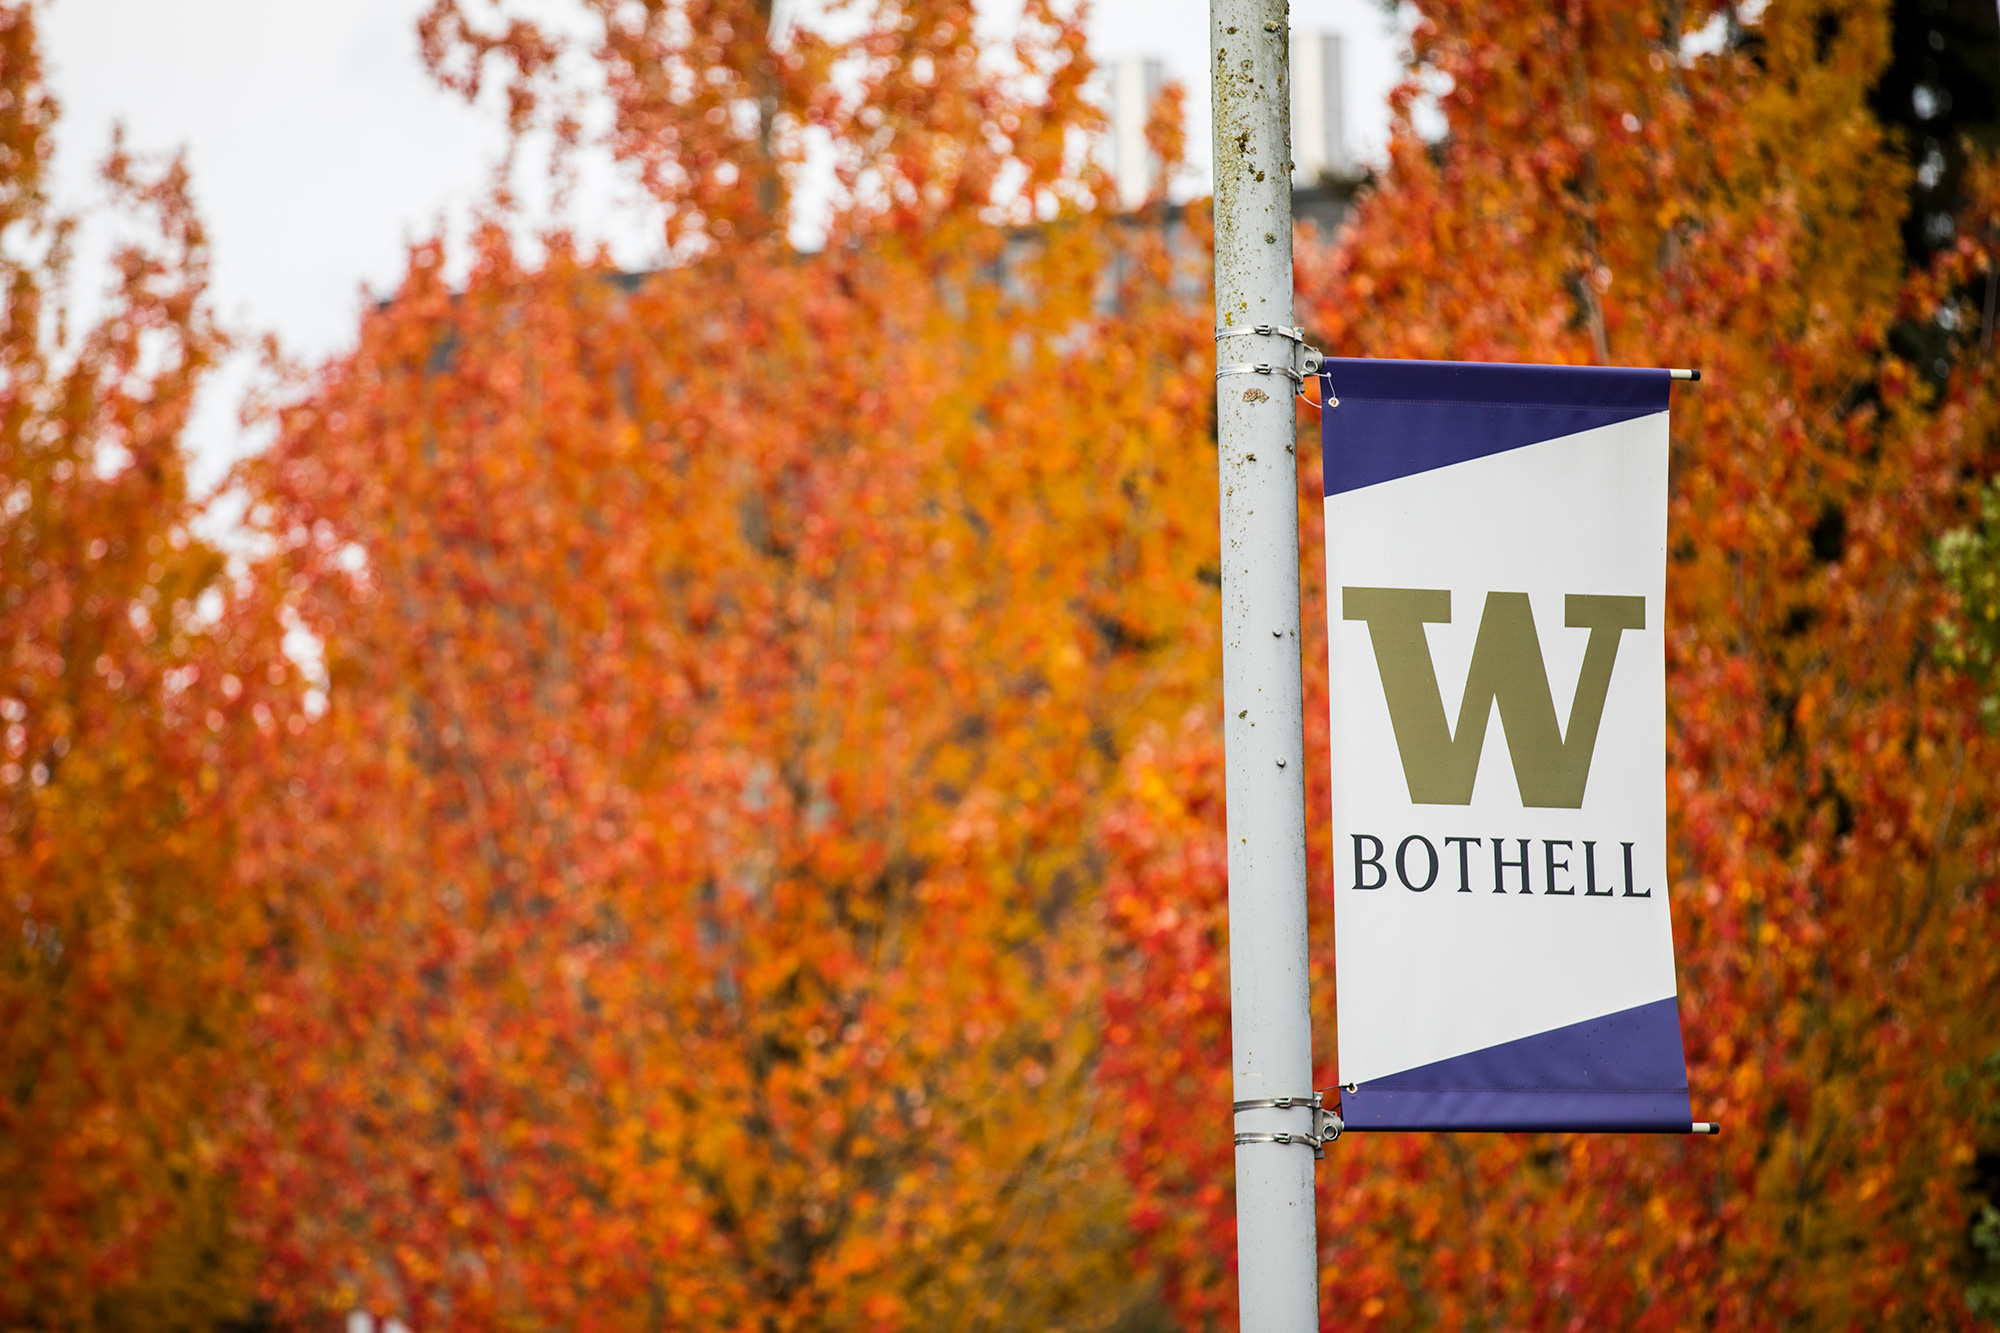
(687, 911)
(1612, 189)
(744, 846)
(684, 911)
(120, 953)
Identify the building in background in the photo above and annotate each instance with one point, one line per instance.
(1319, 131)
(1135, 82)
(1323, 167)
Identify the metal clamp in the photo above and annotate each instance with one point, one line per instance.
(1305, 361)
(1316, 1144)
(1262, 368)
(1262, 331)
(1326, 1125)
(1315, 1100)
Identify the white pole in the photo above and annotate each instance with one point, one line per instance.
(1270, 1024)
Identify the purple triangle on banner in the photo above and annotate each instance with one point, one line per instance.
(1399, 418)
(1624, 1071)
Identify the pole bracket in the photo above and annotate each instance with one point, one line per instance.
(1304, 360)
(1326, 1125)
(1263, 331)
(1263, 368)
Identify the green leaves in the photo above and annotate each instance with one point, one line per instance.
(1968, 637)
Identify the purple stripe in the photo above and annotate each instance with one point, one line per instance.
(1624, 1071)
(1629, 1112)
(1399, 418)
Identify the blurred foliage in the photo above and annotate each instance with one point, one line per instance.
(683, 910)
(1969, 639)
(1982, 1292)
(699, 802)
(121, 951)
(1941, 92)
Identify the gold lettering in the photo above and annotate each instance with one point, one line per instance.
(1440, 763)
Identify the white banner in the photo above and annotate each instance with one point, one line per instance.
(1496, 567)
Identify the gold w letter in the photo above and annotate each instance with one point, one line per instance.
(1439, 763)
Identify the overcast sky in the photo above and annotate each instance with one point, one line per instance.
(320, 149)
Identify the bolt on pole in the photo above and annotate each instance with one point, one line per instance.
(1259, 355)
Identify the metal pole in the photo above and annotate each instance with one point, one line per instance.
(1258, 355)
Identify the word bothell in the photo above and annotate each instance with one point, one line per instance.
(1559, 867)
(1440, 762)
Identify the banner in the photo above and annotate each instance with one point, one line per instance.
(1496, 545)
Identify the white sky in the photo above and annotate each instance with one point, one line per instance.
(320, 149)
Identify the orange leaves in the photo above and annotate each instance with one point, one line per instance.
(121, 954)
(699, 847)
(726, 107)
(737, 840)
